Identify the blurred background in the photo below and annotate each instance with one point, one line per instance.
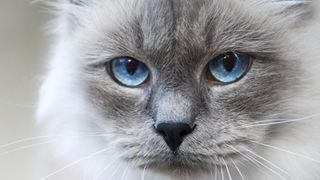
(23, 50)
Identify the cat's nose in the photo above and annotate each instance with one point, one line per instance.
(174, 133)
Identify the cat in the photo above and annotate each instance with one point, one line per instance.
(183, 89)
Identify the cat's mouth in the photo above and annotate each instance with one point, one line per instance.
(190, 155)
(184, 161)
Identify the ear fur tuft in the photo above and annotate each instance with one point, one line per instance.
(78, 2)
(297, 9)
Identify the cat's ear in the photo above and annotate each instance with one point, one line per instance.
(292, 11)
(59, 4)
(67, 12)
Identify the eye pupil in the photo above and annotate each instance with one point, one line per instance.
(132, 67)
(229, 62)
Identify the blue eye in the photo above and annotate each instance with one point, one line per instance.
(229, 67)
(129, 72)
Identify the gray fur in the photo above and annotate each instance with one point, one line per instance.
(177, 39)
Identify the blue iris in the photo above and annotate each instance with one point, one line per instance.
(229, 67)
(129, 72)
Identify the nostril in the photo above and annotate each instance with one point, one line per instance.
(162, 133)
(187, 131)
(184, 133)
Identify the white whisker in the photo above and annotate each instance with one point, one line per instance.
(215, 172)
(270, 169)
(228, 171)
(272, 164)
(286, 151)
(276, 121)
(250, 160)
(114, 172)
(134, 165)
(75, 162)
(25, 140)
(211, 174)
(237, 168)
(222, 173)
(285, 119)
(26, 147)
(104, 169)
(262, 164)
(48, 136)
(109, 165)
(125, 172)
(23, 106)
(143, 172)
(214, 168)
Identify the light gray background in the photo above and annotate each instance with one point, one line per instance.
(22, 52)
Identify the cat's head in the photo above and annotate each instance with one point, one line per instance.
(173, 83)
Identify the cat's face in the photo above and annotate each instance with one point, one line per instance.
(176, 41)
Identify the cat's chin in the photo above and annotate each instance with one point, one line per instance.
(180, 167)
(185, 163)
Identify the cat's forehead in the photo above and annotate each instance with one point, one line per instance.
(172, 30)
(157, 24)
(180, 31)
